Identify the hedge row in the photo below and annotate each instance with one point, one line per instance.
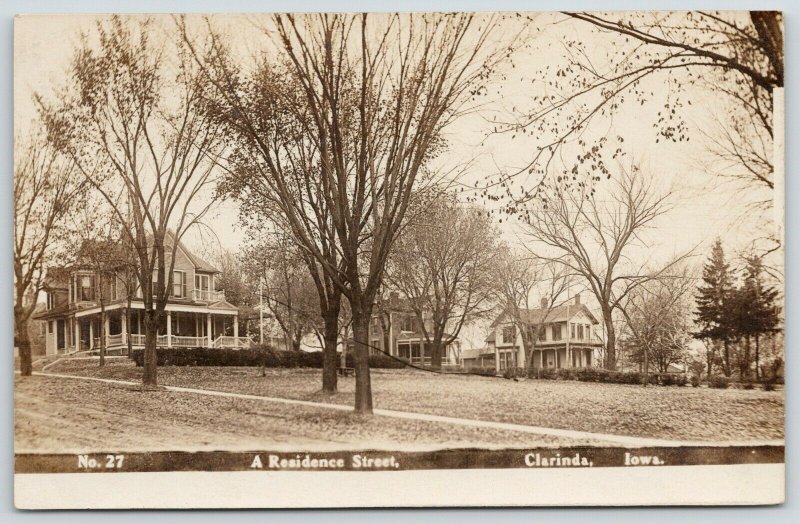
(597, 375)
(255, 357)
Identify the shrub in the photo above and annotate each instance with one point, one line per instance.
(256, 356)
(719, 382)
(543, 373)
(695, 381)
(748, 385)
(515, 373)
(670, 379)
(769, 386)
(483, 371)
(378, 361)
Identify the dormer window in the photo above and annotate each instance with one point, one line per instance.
(509, 334)
(407, 323)
(85, 288)
(202, 282)
(51, 300)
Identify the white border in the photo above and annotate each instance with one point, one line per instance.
(752, 484)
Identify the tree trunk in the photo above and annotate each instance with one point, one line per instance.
(744, 366)
(102, 334)
(727, 357)
(646, 366)
(329, 354)
(23, 343)
(611, 340)
(151, 319)
(436, 353)
(128, 326)
(363, 400)
(758, 373)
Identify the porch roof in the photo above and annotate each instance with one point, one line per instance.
(58, 311)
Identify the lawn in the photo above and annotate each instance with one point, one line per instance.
(63, 415)
(683, 413)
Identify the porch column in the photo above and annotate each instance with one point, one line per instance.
(105, 329)
(208, 330)
(169, 329)
(77, 334)
(91, 334)
(541, 358)
(496, 360)
(236, 331)
(124, 323)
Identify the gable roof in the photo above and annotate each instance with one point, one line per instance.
(56, 278)
(557, 314)
(198, 262)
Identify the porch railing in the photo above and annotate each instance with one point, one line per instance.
(207, 295)
(231, 342)
(189, 342)
(177, 341)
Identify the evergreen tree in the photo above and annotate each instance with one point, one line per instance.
(715, 308)
(756, 310)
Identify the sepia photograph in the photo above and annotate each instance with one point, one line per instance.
(345, 259)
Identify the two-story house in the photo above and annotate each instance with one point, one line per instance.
(567, 338)
(395, 329)
(196, 315)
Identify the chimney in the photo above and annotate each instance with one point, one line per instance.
(544, 302)
(577, 299)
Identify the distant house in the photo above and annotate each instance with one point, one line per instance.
(396, 330)
(197, 315)
(567, 340)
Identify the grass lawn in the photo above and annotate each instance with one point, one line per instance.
(63, 415)
(683, 413)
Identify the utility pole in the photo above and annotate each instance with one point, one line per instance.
(261, 310)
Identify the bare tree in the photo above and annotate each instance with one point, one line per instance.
(737, 57)
(593, 237)
(100, 249)
(289, 292)
(658, 317)
(134, 122)
(46, 188)
(372, 94)
(442, 263)
(517, 276)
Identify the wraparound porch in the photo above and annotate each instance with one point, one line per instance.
(178, 328)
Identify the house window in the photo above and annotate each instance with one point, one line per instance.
(588, 332)
(179, 284)
(509, 334)
(404, 351)
(113, 288)
(557, 331)
(407, 324)
(572, 331)
(86, 290)
(580, 331)
(50, 300)
(506, 359)
(202, 282)
(50, 327)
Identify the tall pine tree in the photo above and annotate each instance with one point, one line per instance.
(715, 310)
(757, 312)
